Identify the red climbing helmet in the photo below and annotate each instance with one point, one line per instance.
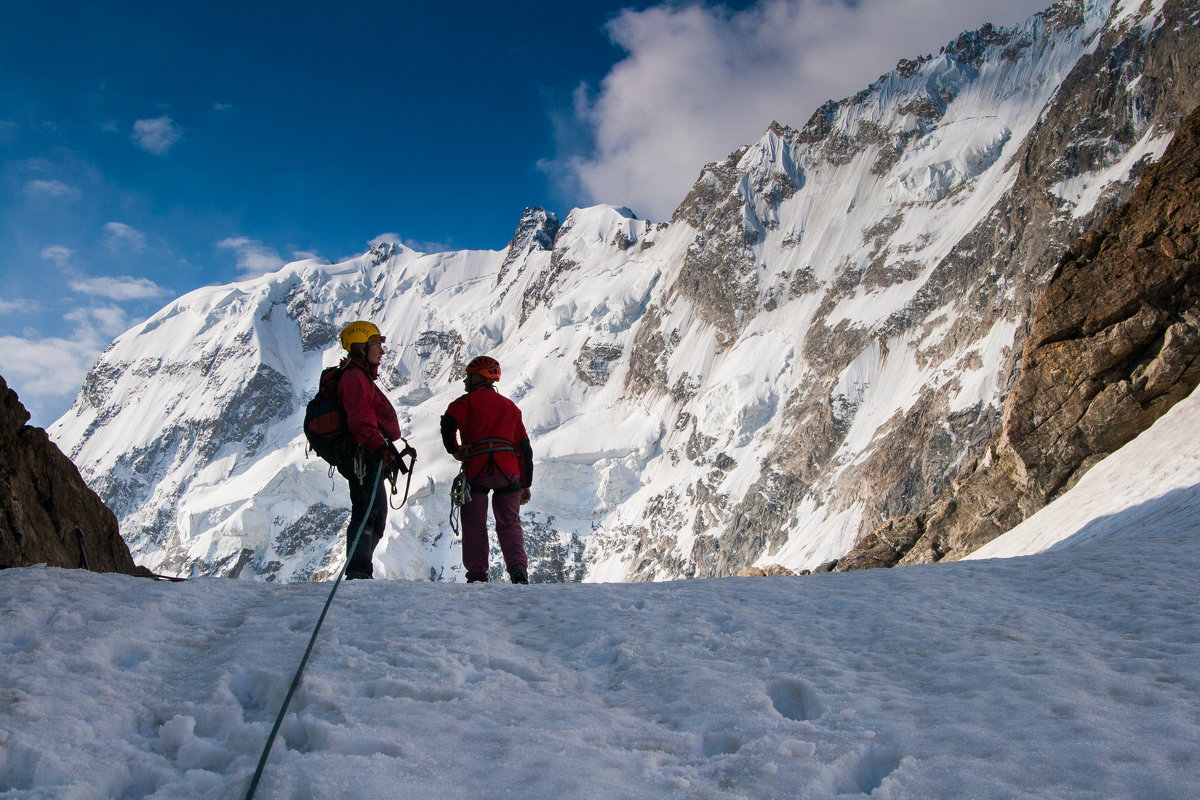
(485, 366)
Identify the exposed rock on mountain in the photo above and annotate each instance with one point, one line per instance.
(48, 515)
(1115, 343)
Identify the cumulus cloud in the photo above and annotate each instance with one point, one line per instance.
(99, 323)
(698, 82)
(253, 257)
(46, 372)
(156, 135)
(46, 367)
(58, 254)
(42, 188)
(419, 245)
(118, 288)
(120, 235)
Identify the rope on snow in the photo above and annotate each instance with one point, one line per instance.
(262, 762)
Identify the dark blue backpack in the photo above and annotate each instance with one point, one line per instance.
(325, 425)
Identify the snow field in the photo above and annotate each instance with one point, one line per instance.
(1073, 673)
(1069, 673)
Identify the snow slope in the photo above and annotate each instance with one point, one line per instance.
(1072, 673)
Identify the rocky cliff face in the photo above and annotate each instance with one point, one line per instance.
(1115, 343)
(952, 299)
(48, 515)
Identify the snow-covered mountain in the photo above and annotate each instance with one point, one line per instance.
(818, 340)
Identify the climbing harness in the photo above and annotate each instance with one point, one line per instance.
(460, 489)
(262, 762)
(493, 444)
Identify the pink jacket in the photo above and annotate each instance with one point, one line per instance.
(369, 414)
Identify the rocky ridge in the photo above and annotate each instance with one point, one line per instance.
(1114, 344)
(1128, 85)
(48, 515)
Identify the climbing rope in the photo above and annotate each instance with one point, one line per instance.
(262, 762)
(460, 495)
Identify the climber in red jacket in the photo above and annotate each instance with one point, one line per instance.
(497, 458)
(373, 426)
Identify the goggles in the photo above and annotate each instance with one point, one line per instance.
(376, 340)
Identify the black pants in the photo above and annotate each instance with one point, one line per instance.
(362, 508)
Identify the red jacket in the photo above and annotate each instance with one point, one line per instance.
(369, 414)
(484, 413)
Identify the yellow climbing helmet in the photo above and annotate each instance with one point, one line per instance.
(359, 332)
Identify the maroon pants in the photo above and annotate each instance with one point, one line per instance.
(506, 507)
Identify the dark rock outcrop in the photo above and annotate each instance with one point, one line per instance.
(44, 501)
(1114, 344)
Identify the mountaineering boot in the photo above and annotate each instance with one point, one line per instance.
(518, 574)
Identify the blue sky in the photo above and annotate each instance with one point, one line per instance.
(149, 148)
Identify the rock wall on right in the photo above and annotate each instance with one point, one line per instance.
(1115, 342)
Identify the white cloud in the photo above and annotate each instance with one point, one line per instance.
(119, 288)
(156, 135)
(419, 245)
(58, 254)
(698, 82)
(41, 188)
(253, 257)
(99, 323)
(9, 306)
(50, 369)
(118, 234)
(47, 371)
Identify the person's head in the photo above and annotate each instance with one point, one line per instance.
(362, 340)
(482, 370)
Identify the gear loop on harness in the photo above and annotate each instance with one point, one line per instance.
(492, 444)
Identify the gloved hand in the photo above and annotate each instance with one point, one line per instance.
(385, 458)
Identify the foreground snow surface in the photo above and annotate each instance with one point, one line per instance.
(1072, 673)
